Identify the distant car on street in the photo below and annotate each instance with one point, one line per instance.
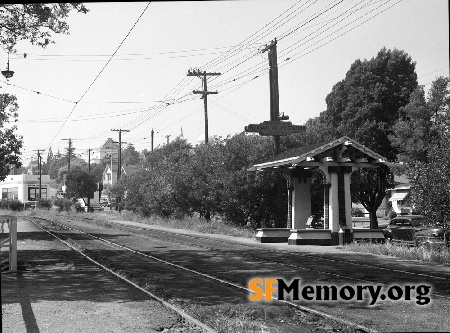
(104, 201)
(413, 230)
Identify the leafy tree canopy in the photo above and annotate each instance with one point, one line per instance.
(422, 123)
(130, 156)
(35, 22)
(80, 184)
(10, 143)
(422, 136)
(365, 105)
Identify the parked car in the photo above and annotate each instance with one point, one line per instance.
(413, 230)
(104, 201)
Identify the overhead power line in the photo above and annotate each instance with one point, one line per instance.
(101, 71)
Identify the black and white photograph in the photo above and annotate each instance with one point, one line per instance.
(248, 166)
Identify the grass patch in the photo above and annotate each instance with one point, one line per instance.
(439, 255)
(193, 224)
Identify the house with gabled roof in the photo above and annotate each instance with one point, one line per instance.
(108, 148)
(110, 172)
(400, 194)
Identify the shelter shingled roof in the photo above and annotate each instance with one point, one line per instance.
(340, 152)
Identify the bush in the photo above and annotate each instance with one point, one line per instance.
(391, 214)
(44, 204)
(15, 205)
(357, 212)
(78, 207)
(63, 204)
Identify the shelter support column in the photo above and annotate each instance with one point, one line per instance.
(333, 203)
(301, 199)
(340, 204)
(326, 205)
(348, 200)
(289, 194)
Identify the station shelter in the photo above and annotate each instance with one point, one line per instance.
(335, 160)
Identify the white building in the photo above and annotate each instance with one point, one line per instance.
(108, 148)
(25, 188)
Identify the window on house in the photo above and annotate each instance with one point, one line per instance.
(10, 193)
(33, 193)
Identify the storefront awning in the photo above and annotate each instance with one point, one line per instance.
(398, 196)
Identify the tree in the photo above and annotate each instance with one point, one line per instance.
(57, 163)
(10, 143)
(416, 131)
(369, 189)
(80, 184)
(246, 196)
(365, 106)
(34, 22)
(130, 156)
(431, 185)
(422, 136)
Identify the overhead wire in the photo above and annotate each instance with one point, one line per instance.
(101, 71)
(230, 84)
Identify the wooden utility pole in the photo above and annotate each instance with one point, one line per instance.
(274, 93)
(39, 165)
(68, 159)
(119, 162)
(70, 153)
(204, 93)
(275, 116)
(89, 171)
(153, 133)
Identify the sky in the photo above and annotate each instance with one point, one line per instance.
(124, 66)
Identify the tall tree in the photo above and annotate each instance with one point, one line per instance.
(365, 106)
(35, 22)
(130, 156)
(80, 184)
(369, 189)
(10, 142)
(49, 156)
(431, 191)
(422, 136)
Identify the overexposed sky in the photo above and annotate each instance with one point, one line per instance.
(76, 89)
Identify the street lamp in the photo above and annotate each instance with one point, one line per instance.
(7, 74)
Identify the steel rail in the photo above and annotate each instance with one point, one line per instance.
(168, 305)
(131, 227)
(300, 307)
(294, 253)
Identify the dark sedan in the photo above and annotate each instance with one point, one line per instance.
(412, 230)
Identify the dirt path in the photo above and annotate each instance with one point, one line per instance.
(63, 292)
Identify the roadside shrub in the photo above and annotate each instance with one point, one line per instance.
(78, 207)
(44, 204)
(14, 205)
(391, 214)
(63, 204)
(438, 254)
(357, 212)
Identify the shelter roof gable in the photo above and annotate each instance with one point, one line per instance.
(342, 150)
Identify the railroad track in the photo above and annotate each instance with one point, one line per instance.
(364, 268)
(240, 291)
